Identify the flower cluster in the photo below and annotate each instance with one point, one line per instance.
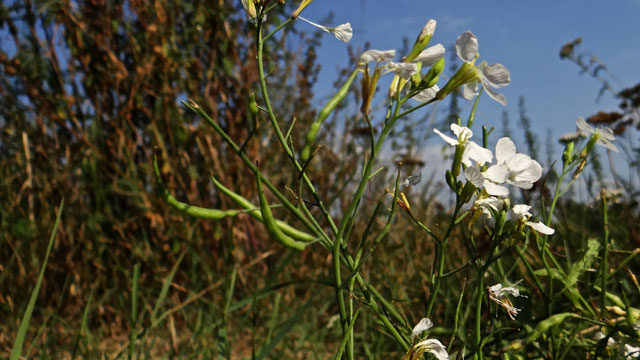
(511, 168)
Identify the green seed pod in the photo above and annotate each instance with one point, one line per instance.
(195, 211)
(270, 223)
(253, 105)
(324, 113)
(256, 214)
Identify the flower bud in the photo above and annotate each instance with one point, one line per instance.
(467, 192)
(451, 181)
(422, 41)
(432, 76)
(303, 5)
(567, 155)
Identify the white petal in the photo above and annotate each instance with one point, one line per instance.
(424, 325)
(477, 153)
(582, 125)
(505, 149)
(521, 211)
(607, 144)
(495, 189)
(500, 98)
(462, 132)
(497, 173)
(404, 70)
(435, 347)
(531, 174)
(490, 202)
(496, 75)
(467, 46)
(428, 29)
(343, 32)
(429, 56)
(474, 176)
(519, 162)
(449, 140)
(607, 134)
(541, 228)
(377, 55)
(469, 91)
(426, 94)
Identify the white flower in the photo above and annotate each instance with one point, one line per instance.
(472, 151)
(377, 56)
(491, 76)
(498, 293)
(487, 204)
(604, 136)
(402, 69)
(424, 325)
(414, 179)
(341, 32)
(432, 346)
(523, 215)
(630, 352)
(511, 168)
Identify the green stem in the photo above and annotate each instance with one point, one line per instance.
(605, 249)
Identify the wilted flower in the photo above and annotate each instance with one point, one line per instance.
(424, 325)
(469, 75)
(341, 32)
(472, 151)
(569, 137)
(602, 136)
(498, 293)
(523, 215)
(377, 56)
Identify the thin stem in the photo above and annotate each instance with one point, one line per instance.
(605, 253)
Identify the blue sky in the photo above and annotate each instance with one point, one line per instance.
(525, 36)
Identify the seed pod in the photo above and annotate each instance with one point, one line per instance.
(324, 113)
(195, 211)
(256, 214)
(270, 223)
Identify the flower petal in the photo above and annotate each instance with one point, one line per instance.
(607, 144)
(582, 125)
(469, 91)
(477, 153)
(342, 32)
(496, 75)
(521, 211)
(495, 189)
(467, 46)
(426, 94)
(449, 140)
(527, 177)
(474, 176)
(497, 173)
(435, 347)
(424, 325)
(505, 149)
(429, 56)
(500, 98)
(541, 228)
(377, 55)
(404, 70)
(462, 132)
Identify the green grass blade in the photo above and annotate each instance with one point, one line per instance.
(134, 308)
(286, 327)
(83, 326)
(16, 351)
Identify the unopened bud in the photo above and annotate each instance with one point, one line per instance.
(567, 155)
(432, 76)
(576, 173)
(423, 40)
